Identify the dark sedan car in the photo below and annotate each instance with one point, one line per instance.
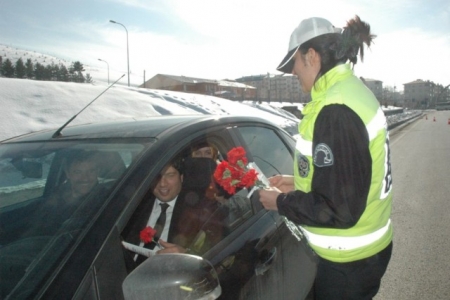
(72, 249)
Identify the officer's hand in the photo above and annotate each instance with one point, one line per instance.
(284, 183)
(268, 198)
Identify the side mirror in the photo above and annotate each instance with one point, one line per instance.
(172, 276)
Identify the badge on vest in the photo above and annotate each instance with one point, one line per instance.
(303, 165)
(323, 157)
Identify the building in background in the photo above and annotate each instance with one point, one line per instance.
(228, 89)
(420, 94)
(376, 86)
(263, 88)
(276, 88)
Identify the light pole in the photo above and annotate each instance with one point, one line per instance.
(107, 65)
(128, 56)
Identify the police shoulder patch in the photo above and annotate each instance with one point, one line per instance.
(323, 156)
(303, 165)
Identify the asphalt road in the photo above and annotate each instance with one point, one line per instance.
(420, 263)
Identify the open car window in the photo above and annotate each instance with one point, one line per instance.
(50, 193)
(208, 214)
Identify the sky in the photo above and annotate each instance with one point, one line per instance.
(225, 39)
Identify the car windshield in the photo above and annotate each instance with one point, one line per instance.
(50, 193)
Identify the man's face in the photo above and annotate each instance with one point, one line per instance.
(82, 176)
(169, 186)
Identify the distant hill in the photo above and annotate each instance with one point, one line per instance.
(99, 74)
(13, 54)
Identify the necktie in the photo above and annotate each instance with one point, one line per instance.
(159, 226)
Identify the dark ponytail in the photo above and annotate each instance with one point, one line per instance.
(338, 48)
(355, 35)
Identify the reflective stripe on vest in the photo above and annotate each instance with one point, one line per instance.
(345, 243)
(376, 124)
(304, 146)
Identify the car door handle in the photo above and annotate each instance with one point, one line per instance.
(269, 258)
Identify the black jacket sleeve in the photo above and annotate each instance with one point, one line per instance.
(341, 186)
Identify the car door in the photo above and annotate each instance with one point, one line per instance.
(246, 258)
(248, 244)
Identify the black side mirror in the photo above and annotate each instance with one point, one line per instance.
(172, 276)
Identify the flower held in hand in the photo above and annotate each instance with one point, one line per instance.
(235, 173)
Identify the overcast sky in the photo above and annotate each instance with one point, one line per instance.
(220, 39)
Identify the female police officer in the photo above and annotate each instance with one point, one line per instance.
(341, 191)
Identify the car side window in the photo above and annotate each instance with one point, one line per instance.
(50, 193)
(268, 150)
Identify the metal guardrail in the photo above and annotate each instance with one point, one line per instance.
(400, 119)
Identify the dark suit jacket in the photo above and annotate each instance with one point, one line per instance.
(140, 218)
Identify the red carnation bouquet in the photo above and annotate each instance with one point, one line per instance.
(236, 172)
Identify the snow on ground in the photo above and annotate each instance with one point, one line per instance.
(30, 105)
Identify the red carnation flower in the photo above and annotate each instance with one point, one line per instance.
(147, 234)
(249, 178)
(236, 154)
(231, 189)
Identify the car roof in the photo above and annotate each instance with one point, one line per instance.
(149, 127)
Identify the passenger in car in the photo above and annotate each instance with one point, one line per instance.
(205, 149)
(81, 182)
(236, 205)
(182, 220)
(201, 204)
(82, 171)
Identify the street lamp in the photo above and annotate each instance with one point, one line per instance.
(128, 56)
(107, 65)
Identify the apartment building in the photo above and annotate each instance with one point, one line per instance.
(276, 88)
(422, 94)
(376, 86)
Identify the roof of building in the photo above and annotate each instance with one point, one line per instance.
(194, 80)
(234, 84)
(252, 78)
(415, 81)
(187, 79)
(372, 80)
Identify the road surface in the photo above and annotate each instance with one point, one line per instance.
(420, 263)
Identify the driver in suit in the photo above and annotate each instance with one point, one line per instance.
(183, 216)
